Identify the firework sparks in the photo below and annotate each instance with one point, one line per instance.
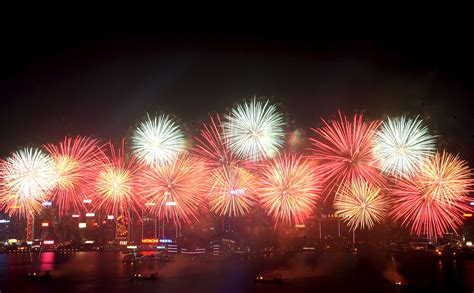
(232, 191)
(73, 159)
(402, 145)
(361, 204)
(175, 190)
(212, 147)
(289, 188)
(433, 201)
(158, 140)
(344, 151)
(254, 130)
(27, 178)
(115, 186)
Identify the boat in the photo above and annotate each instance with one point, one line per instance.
(268, 279)
(151, 277)
(39, 276)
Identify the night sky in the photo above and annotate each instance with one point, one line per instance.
(56, 82)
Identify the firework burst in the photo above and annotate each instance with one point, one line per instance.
(361, 204)
(231, 191)
(402, 145)
(27, 177)
(115, 185)
(175, 190)
(344, 151)
(255, 130)
(289, 188)
(73, 159)
(158, 140)
(433, 200)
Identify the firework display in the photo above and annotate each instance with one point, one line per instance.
(344, 151)
(158, 140)
(73, 159)
(402, 145)
(232, 191)
(27, 177)
(289, 188)
(365, 168)
(115, 185)
(255, 130)
(175, 190)
(433, 200)
(361, 204)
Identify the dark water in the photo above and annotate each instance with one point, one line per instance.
(333, 272)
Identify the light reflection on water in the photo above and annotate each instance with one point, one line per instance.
(105, 272)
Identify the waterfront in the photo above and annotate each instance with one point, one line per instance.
(336, 272)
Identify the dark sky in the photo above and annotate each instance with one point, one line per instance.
(56, 82)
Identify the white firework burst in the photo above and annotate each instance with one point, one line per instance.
(255, 130)
(158, 141)
(402, 145)
(28, 176)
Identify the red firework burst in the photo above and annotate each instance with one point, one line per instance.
(289, 188)
(115, 185)
(433, 201)
(73, 158)
(175, 190)
(344, 151)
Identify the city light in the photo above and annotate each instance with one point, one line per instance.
(467, 215)
(89, 242)
(75, 216)
(3, 221)
(87, 201)
(48, 242)
(131, 246)
(90, 215)
(45, 224)
(468, 243)
(170, 203)
(150, 241)
(82, 225)
(166, 241)
(123, 242)
(47, 203)
(110, 217)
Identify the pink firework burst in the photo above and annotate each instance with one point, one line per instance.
(433, 201)
(115, 186)
(343, 149)
(174, 191)
(289, 188)
(211, 145)
(73, 158)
